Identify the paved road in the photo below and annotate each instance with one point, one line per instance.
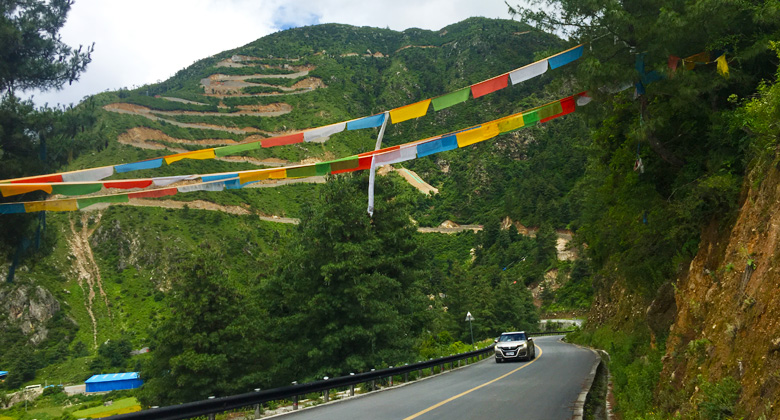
(544, 389)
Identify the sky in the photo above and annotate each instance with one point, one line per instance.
(138, 42)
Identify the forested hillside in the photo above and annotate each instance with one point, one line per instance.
(197, 276)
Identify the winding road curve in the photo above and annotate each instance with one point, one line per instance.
(543, 389)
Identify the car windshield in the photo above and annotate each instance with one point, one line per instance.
(512, 337)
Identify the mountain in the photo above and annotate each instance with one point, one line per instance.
(81, 281)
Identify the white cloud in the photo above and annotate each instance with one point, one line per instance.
(142, 41)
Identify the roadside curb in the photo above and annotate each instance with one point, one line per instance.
(579, 405)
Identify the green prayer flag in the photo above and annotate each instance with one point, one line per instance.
(451, 99)
(86, 202)
(301, 172)
(77, 189)
(531, 118)
(236, 148)
(322, 168)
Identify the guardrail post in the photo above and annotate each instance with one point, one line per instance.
(295, 397)
(212, 415)
(326, 393)
(419, 371)
(391, 378)
(257, 406)
(352, 387)
(373, 382)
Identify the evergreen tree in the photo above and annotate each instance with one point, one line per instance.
(345, 296)
(212, 343)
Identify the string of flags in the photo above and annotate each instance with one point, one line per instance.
(322, 134)
(162, 186)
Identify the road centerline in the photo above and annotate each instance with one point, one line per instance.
(439, 404)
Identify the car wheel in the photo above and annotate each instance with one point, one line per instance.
(498, 360)
(533, 354)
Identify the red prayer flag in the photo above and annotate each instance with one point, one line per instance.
(673, 62)
(380, 151)
(38, 179)
(143, 183)
(489, 86)
(283, 140)
(153, 193)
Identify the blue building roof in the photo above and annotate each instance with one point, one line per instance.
(3, 372)
(110, 377)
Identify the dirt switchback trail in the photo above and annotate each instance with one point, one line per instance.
(87, 269)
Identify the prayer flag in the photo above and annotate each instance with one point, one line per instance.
(723, 66)
(563, 107)
(487, 131)
(363, 163)
(247, 177)
(510, 123)
(56, 205)
(277, 174)
(141, 183)
(436, 146)
(396, 156)
(549, 111)
(701, 58)
(450, 99)
(88, 174)
(583, 99)
(237, 148)
(344, 165)
(137, 166)
(367, 122)
(322, 134)
(380, 151)
(212, 186)
(321, 168)
(153, 193)
(13, 208)
(565, 57)
(197, 154)
(38, 179)
(528, 72)
(301, 172)
(76, 189)
(168, 180)
(10, 189)
(86, 202)
(417, 109)
(673, 62)
(530, 118)
(489, 86)
(209, 178)
(283, 140)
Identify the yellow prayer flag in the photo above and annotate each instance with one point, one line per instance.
(410, 111)
(723, 66)
(487, 131)
(701, 58)
(253, 176)
(510, 123)
(278, 174)
(58, 205)
(12, 189)
(197, 154)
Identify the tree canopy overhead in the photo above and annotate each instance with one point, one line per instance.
(33, 55)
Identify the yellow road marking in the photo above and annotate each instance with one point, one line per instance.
(437, 405)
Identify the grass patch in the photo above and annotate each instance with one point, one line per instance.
(125, 405)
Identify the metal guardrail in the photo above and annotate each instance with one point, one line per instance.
(234, 402)
(539, 334)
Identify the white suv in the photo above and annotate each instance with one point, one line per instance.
(513, 346)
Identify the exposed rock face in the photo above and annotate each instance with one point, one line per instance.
(29, 307)
(729, 301)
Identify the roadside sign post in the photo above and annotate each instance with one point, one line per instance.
(470, 318)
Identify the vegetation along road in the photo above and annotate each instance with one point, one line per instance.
(545, 389)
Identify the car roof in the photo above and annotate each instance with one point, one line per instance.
(513, 332)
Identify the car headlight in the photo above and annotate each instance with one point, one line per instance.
(522, 345)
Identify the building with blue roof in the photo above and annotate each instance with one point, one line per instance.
(113, 382)
(3, 374)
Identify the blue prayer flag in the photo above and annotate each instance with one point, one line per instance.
(220, 177)
(565, 57)
(137, 166)
(436, 146)
(13, 208)
(368, 122)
